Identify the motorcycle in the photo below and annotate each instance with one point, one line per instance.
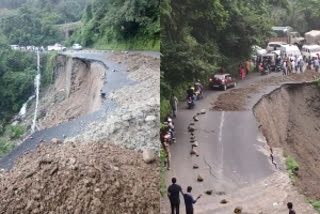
(265, 70)
(168, 138)
(190, 102)
(199, 94)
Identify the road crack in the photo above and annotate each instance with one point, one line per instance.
(210, 167)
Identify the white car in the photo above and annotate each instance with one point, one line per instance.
(76, 46)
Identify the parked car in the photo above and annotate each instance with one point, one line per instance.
(223, 81)
(57, 47)
(76, 46)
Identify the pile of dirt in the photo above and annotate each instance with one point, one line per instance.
(80, 178)
(290, 119)
(236, 99)
(135, 122)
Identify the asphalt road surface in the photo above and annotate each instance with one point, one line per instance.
(229, 148)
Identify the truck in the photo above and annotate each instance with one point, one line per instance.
(57, 47)
(312, 37)
(287, 35)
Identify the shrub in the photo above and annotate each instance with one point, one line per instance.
(292, 167)
(163, 168)
(5, 148)
(16, 131)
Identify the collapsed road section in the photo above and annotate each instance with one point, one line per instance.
(99, 105)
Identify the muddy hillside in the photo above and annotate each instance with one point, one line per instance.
(290, 119)
(75, 92)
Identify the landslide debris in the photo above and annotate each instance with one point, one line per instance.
(135, 122)
(80, 178)
(236, 99)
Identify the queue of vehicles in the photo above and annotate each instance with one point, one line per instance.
(55, 47)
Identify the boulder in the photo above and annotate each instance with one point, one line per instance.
(195, 144)
(195, 166)
(200, 178)
(223, 201)
(238, 210)
(208, 192)
(195, 118)
(56, 141)
(203, 111)
(148, 156)
(191, 129)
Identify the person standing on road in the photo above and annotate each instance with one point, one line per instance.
(189, 201)
(301, 64)
(247, 63)
(174, 105)
(290, 207)
(173, 195)
(316, 64)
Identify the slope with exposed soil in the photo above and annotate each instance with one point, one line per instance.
(290, 119)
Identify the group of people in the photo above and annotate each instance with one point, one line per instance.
(195, 91)
(173, 194)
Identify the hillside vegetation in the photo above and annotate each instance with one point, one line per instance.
(120, 24)
(31, 22)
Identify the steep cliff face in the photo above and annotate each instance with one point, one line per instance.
(76, 91)
(290, 120)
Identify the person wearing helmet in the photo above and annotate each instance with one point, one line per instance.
(190, 93)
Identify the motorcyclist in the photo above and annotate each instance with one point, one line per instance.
(198, 86)
(190, 93)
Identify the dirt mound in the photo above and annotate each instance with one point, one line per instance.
(236, 99)
(85, 178)
(290, 119)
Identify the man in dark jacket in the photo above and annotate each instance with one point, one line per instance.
(189, 201)
(173, 195)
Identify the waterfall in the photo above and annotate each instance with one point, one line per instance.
(37, 86)
(23, 109)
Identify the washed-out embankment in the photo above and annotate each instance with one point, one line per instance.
(73, 105)
(290, 119)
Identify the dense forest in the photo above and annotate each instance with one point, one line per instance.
(200, 37)
(31, 22)
(121, 24)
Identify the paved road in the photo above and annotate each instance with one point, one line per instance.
(113, 81)
(228, 148)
